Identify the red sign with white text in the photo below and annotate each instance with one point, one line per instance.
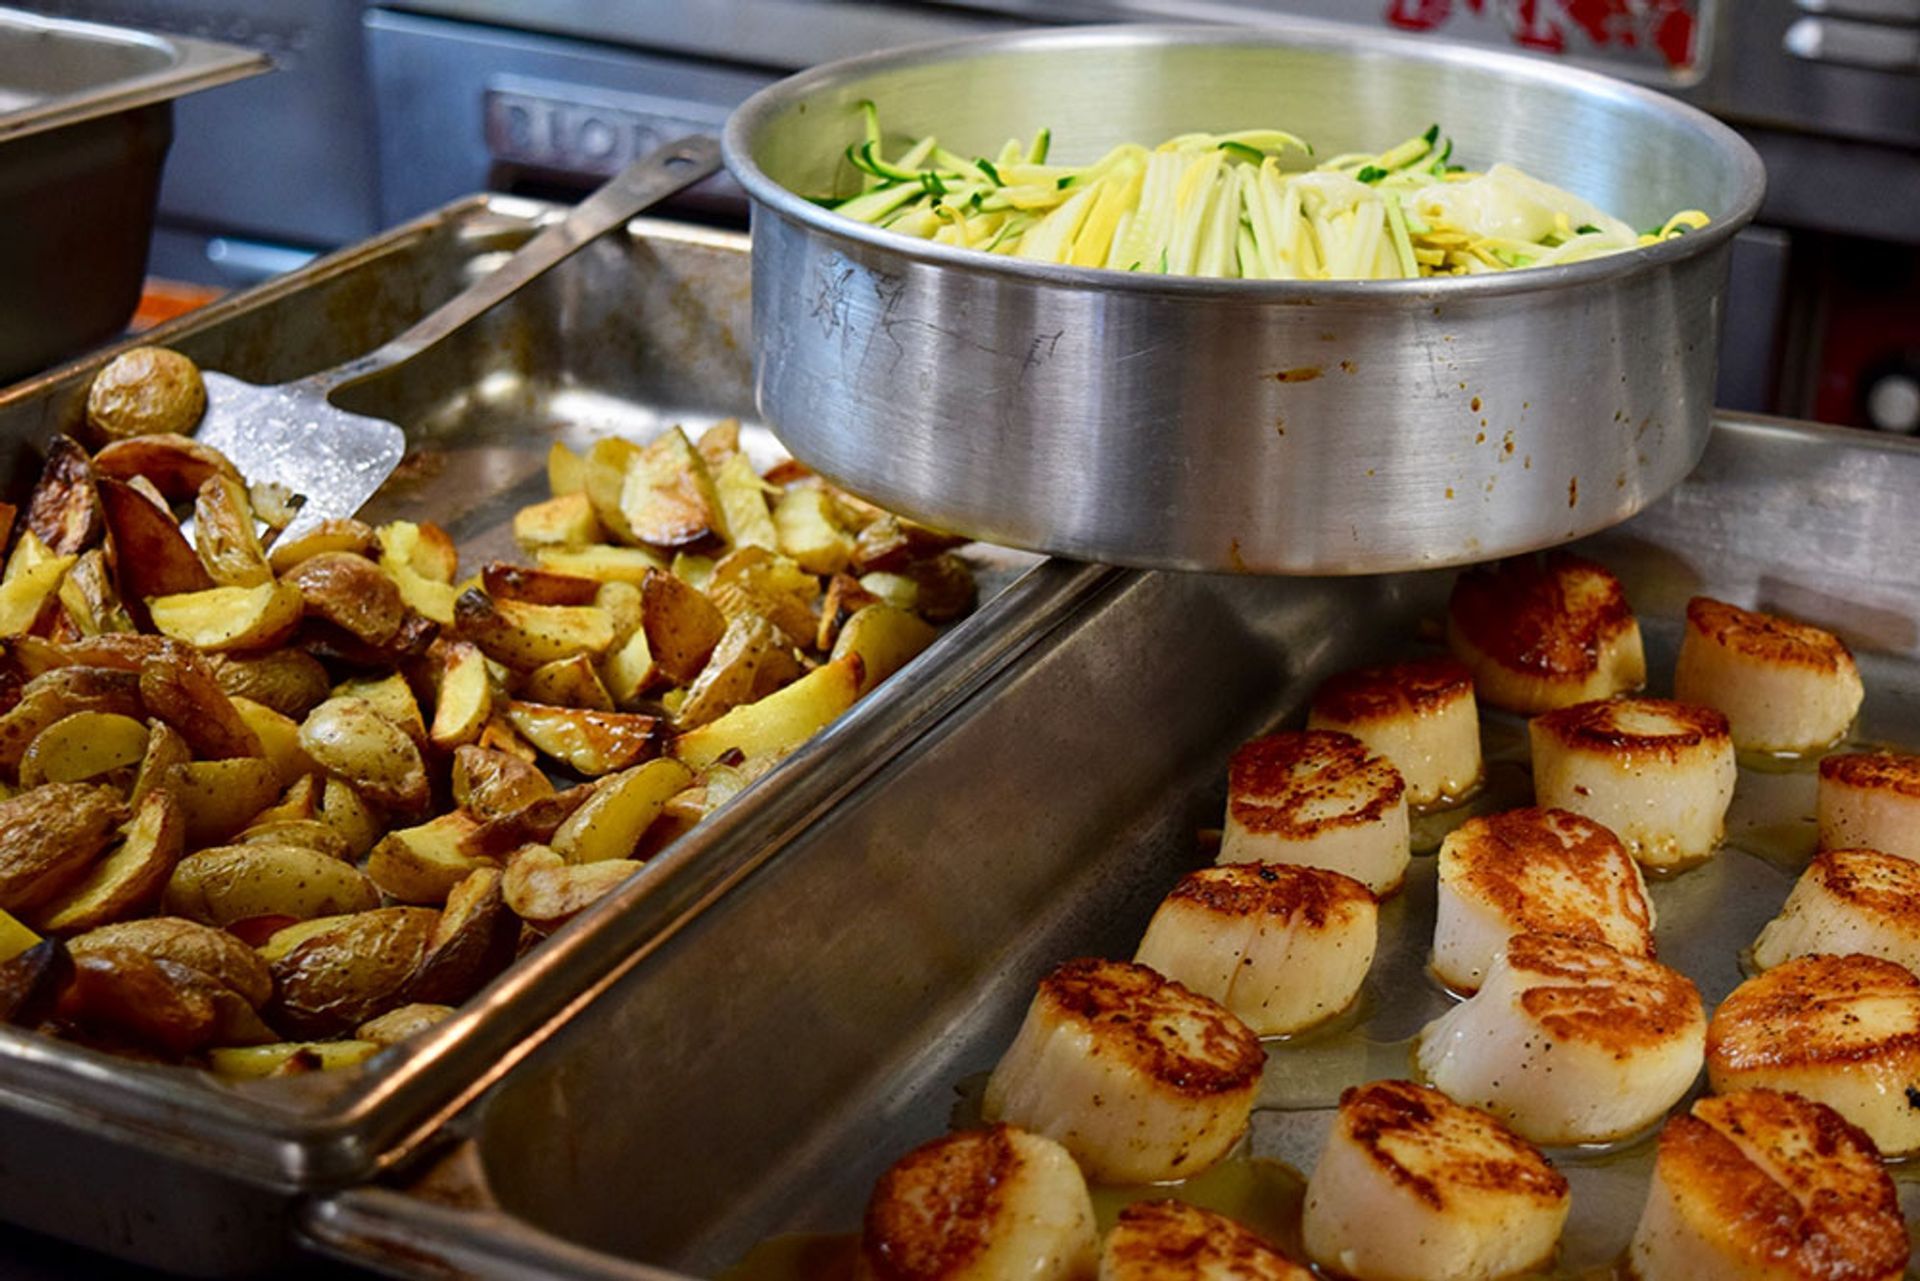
(1666, 32)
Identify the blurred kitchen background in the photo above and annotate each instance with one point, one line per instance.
(379, 112)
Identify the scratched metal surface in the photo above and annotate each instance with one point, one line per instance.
(836, 1009)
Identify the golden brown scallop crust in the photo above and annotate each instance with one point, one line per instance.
(1879, 771)
(1185, 1043)
(1421, 686)
(1817, 1010)
(1429, 1144)
(1277, 784)
(1314, 895)
(1885, 886)
(932, 1213)
(1174, 1241)
(1768, 637)
(1587, 992)
(1789, 1181)
(1641, 726)
(1552, 872)
(1548, 616)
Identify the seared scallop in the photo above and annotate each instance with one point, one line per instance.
(1413, 1186)
(1763, 1186)
(1844, 1030)
(1318, 799)
(1419, 714)
(1570, 1042)
(1533, 872)
(997, 1204)
(1544, 633)
(1142, 1080)
(1174, 1241)
(1848, 901)
(1784, 686)
(1657, 772)
(1281, 947)
(1870, 800)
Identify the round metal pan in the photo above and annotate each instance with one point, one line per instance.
(1285, 427)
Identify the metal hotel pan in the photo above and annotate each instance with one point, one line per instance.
(1273, 426)
(175, 1168)
(756, 1073)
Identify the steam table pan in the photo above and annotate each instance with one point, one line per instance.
(641, 330)
(753, 1076)
(1267, 426)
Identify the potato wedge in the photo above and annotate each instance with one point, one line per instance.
(808, 534)
(431, 553)
(131, 876)
(753, 659)
(15, 937)
(546, 891)
(476, 938)
(313, 833)
(398, 1025)
(279, 738)
(524, 636)
(500, 736)
(175, 465)
(165, 749)
(491, 784)
(845, 598)
(223, 618)
(351, 593)
(221, 797)
(349, 738)
(465, 699)
(300, 803)
(90, 598)
(123, 652)
(188, 943)
(333, 980)
(154, 1001)
(619, 812)
(392, 697)
(179, 688)
(753, 580)
(630, 671)
(568, 682)
(667, 494)
(288, 1058)
(49, 837)
(890, 543)
(25, 596)
(604, 481)
(422, 864)
(742, 497)
(590, 743)
(326, 641)
(602, 561)
(896, 590)
(886, 639)
(33, 981)
(151, 557)
(533, 823)
(566, 470)
(946, 587)
(719, 442)
(681, 625)
(65, 508)
(58, 694)
(290, 681)
(625, 605)
(504, 581)
(223, 534)
(780, 722)
(569, 520)
(82, 747)
(229, 883)
(334, 535)
(344, 810)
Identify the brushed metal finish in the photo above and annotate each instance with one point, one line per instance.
(757, 1072)
(1274, 427)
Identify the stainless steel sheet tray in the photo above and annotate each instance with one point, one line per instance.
(639, 331)
(757, 1072)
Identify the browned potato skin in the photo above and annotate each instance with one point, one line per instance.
(335, 980)
(129, 879)
(347, 737)
(49, 837)
(223, 534)
(223, 884)
(682, 626)
(92, 577)
(201, 947)
(351, 593)
(586, 741)
(535, 821)
(504, 581)
(474, 940)
(57, 695)
(65, 508)
(31, 983)
(151, 557)
(493, 784)
(179, 689)
(122, 652)
(546, 891)
(397, 1025)
(174, 465)
(290, 681)
(752, 658)
(159, 1002)
(146, 390)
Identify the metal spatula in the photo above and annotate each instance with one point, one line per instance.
(293, 434)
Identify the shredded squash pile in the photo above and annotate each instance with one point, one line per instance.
(1250, 204)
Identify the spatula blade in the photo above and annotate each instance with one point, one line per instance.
(292, 436)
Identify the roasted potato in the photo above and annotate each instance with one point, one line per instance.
(534, 822)
(65, 508)
(83, 747)
(568, 682)
(890, 544)
(742, 496)
(15, 937)
(885, 638)
(49, 837)
(129, 879)
(146, 390)
(808, 533)
(177, 687)
(32, 982)
(612, 821)
(491, 784)
(315, 834)
(546, 891)
(474, 940)
(569, 520)
(666, 494)
(504, 581)
(151, 557)
(390, 696)
(91, 599)
(189, 943)
(524, 636)
(165, 749)
(31, 590)
(681, 627)
(223, 618)
(221, 797)
(769, 729)
(288, 1058)
(334, 535)
(174, 465)
(752, 660)
(290, 681)
(331, 980)
(422, 864)
(351, 593)
(170, 1006)
(602, 561)
(591, 743)
(279, 739)
(349, 738)
(58, 694)
(344, 810)
(229, 883)
(753, 580)
(465, 699)
(399, 1024)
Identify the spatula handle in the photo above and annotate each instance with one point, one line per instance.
(633, 190)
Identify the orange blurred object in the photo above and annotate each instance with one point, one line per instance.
(162, 300)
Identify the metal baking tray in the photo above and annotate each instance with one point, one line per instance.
(757, 1072)
(86, 116)
(640, 330)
